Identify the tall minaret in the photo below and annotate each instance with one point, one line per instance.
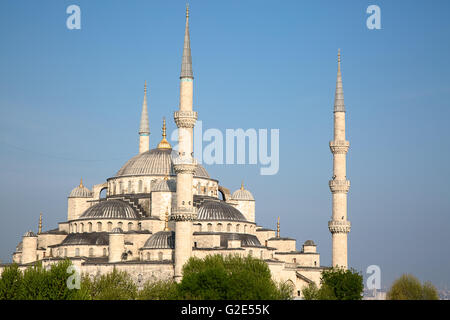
(144, 131)
(339, 185)
(184, 164)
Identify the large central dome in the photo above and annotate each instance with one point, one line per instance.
(155, 162)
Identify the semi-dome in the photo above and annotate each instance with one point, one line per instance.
(219, 210)
(165, 185)
(91, 238)
(110, 209)
(80, 192)
(157, 161)
(242, 194)
(161, 240)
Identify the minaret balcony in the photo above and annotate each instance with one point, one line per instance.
(337, 226)
(184, 214)
(339, 146)
(185, 119)
(339, 186)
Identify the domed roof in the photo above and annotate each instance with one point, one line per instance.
(91, 238)
(117, 230)
(29, 234)
(219, 210)
(19, 247)
(242, 194)
(80, 192)
(165, 185)
(155, 162)
(110, 209)
(161, 240)
(309, 243)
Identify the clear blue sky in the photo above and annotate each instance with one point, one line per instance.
(70, 104)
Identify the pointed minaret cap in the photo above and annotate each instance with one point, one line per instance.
(186, 64)
(144, 127)
(339, 95)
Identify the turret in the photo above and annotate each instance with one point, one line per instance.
(29, 247)
(245, 202)
(77, 201)
(339, 185)
(116, 245)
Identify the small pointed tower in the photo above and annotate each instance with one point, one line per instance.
(144, 130)
(339, 226)
(184, 164)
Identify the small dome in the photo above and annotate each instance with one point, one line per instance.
(29, 234)
(309, 243)
(218, 210)
(92, 238)
(165, 185)
(242, 194)
(80, 192)
(161, 240)
(110, 209)
(155, 162)
(117, 230)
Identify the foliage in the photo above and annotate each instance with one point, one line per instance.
(11, 282)
(116, 285)
(159, 290)
(219, 278)
(408, 287)
(336, 284)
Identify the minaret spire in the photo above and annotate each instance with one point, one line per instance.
(339, 226)
(186, 63)
(144, 130)
(40, 224)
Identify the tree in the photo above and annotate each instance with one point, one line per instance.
(408, 287)
(116, 285)
(159, 290)
(219, 278)
(10, 282)
(336, 284)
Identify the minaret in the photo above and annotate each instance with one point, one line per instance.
(339, 185)
(40, 224)
(144, 131)
(184, 164)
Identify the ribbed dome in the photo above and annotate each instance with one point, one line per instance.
(29, 234)
(80, 192)
(92, 238)
(117, 230)
(155, 162)
(110, 209)
(309, 243)
(242, 194)
(161, 240)
(217, 210)
(165, 185)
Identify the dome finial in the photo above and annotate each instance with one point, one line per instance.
(278, 227)
(164, 144)
(242, 185)
(166, 220)
(339, 55)
(40, 223)
(81, 182)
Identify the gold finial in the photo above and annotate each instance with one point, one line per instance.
(278, 227)
(339, 55)
(145, 87)
(81, 182)
(40, 224)
(242, 185)
(164, 144)
(166, 227)
(187, 10)
(166, 177)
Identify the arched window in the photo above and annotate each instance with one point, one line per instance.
(91, 252)
(76, 227)
(130, 186)
(77, 252)
(104, 252)
(219, 227)
(99, 226)
(120, 225)
(148, 255)
(139, 226)
(90, 226)
(229, 227)
(114, 188)
(237, 227)
(130, 226)
(140, 186)
(245, 228)
(81, 227)
(261, 254)
(120, 187)
(65, 252)
(250, 252)
(209, 227)
(109, 226)
(59, 252)
(160, 256)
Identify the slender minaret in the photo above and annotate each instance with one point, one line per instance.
(144, 131)
(40, 224)
(184, 164)
(339, 185)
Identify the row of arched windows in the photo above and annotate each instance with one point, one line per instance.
(119, 187)
(62, 252)
(229, 228)
(81, 227)
(148, 256)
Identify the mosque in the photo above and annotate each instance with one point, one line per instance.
(162, 207)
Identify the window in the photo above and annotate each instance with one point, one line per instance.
(245, 228)
(109, 226)
(140, 185)
(130, 226)
(114, 188)
(65, 252)
(200, 227)
(237, 227)
(119, 225)
(229, 227)
(219, 227)
(209, 227)
(160, 256)
(99, 226)
(91, 252)
(76, 227)
(250, 252)
(315, 263)
(139, 226)
(104, 252)
(77, 252)
(90, 226)
(81, 227)
(148, 255)
(129, 187)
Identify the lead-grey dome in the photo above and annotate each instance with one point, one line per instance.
(161, 240)
(110, 209)
(309, 243)
(29, 234)
(219, 210)
(155, 162)
(80, 192)
(91, 238)
(242, 194)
